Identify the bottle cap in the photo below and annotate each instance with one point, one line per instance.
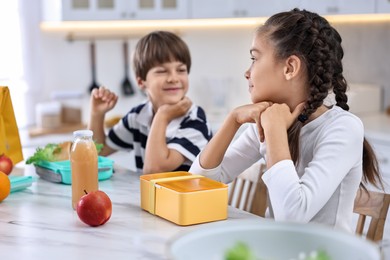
(80, 133)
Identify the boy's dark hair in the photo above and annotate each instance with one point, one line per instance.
(159, 47)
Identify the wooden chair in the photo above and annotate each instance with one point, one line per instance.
(375, 205)
(248, 191)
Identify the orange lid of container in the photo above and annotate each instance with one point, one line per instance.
(153, 176)
(192, 185)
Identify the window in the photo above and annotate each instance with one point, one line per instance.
(11, 58)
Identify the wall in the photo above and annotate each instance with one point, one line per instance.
(220, 59)
(367, 55)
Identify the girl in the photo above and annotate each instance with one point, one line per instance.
(316, 155)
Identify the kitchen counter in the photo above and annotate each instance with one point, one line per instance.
(39, 223)
(377, 126)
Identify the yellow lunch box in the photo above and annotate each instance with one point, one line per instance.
(184, 198)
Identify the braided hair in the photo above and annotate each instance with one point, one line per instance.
(311, 38)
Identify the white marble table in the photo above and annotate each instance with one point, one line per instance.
(39, 223)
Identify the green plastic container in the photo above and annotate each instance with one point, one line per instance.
(60, 172)
(19, 183)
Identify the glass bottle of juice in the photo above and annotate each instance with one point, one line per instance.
(84, 165)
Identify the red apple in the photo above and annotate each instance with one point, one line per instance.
(94, 208)
(6, 164)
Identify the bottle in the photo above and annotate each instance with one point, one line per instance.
(84, 165)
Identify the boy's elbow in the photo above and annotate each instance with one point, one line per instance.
(156, 168)
(106, 151)
(151, 169)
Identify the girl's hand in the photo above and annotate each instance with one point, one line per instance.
(280, 115)
(252, 114)
(102, 100)
(179, 109)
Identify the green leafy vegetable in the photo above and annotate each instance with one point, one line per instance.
(99, 147)
(44, 154)
(240, 251)
(318, 255)
(54, 152)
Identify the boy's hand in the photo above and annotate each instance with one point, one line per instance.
(171, 112)
(102, 100)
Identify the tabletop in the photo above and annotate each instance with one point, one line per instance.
(39, 223)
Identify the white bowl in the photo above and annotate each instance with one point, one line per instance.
(269, 240)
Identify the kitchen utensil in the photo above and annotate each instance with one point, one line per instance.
(267, 239)
(127, 88)
(93, 66)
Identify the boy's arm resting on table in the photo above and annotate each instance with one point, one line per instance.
(158, 156)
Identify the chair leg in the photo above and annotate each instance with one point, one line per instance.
(232, 189)
(375, 230)
(247, 202)
(360, 224)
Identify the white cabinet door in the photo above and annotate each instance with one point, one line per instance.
(382, 6)
(331, 7)
(212, 9)
(357, 6)
(123, 9)
(89, 10)
(154, 9)
(261, 8)
(239, 8)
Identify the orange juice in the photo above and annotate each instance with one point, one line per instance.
(84, 165)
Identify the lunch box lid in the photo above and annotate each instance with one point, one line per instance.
(193, 185)
(183, 181)
(20, 182)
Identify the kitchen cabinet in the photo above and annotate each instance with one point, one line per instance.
(238, 8)
(253, 8)
(94, 10)
(377, 132)
(382, 151)
(383, 6)
(90, 10)
(332, 7)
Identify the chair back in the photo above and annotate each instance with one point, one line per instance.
(248, 191)
(374, 205)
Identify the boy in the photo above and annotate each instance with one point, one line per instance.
(167, 131)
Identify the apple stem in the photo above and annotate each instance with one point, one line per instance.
(85, 192)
